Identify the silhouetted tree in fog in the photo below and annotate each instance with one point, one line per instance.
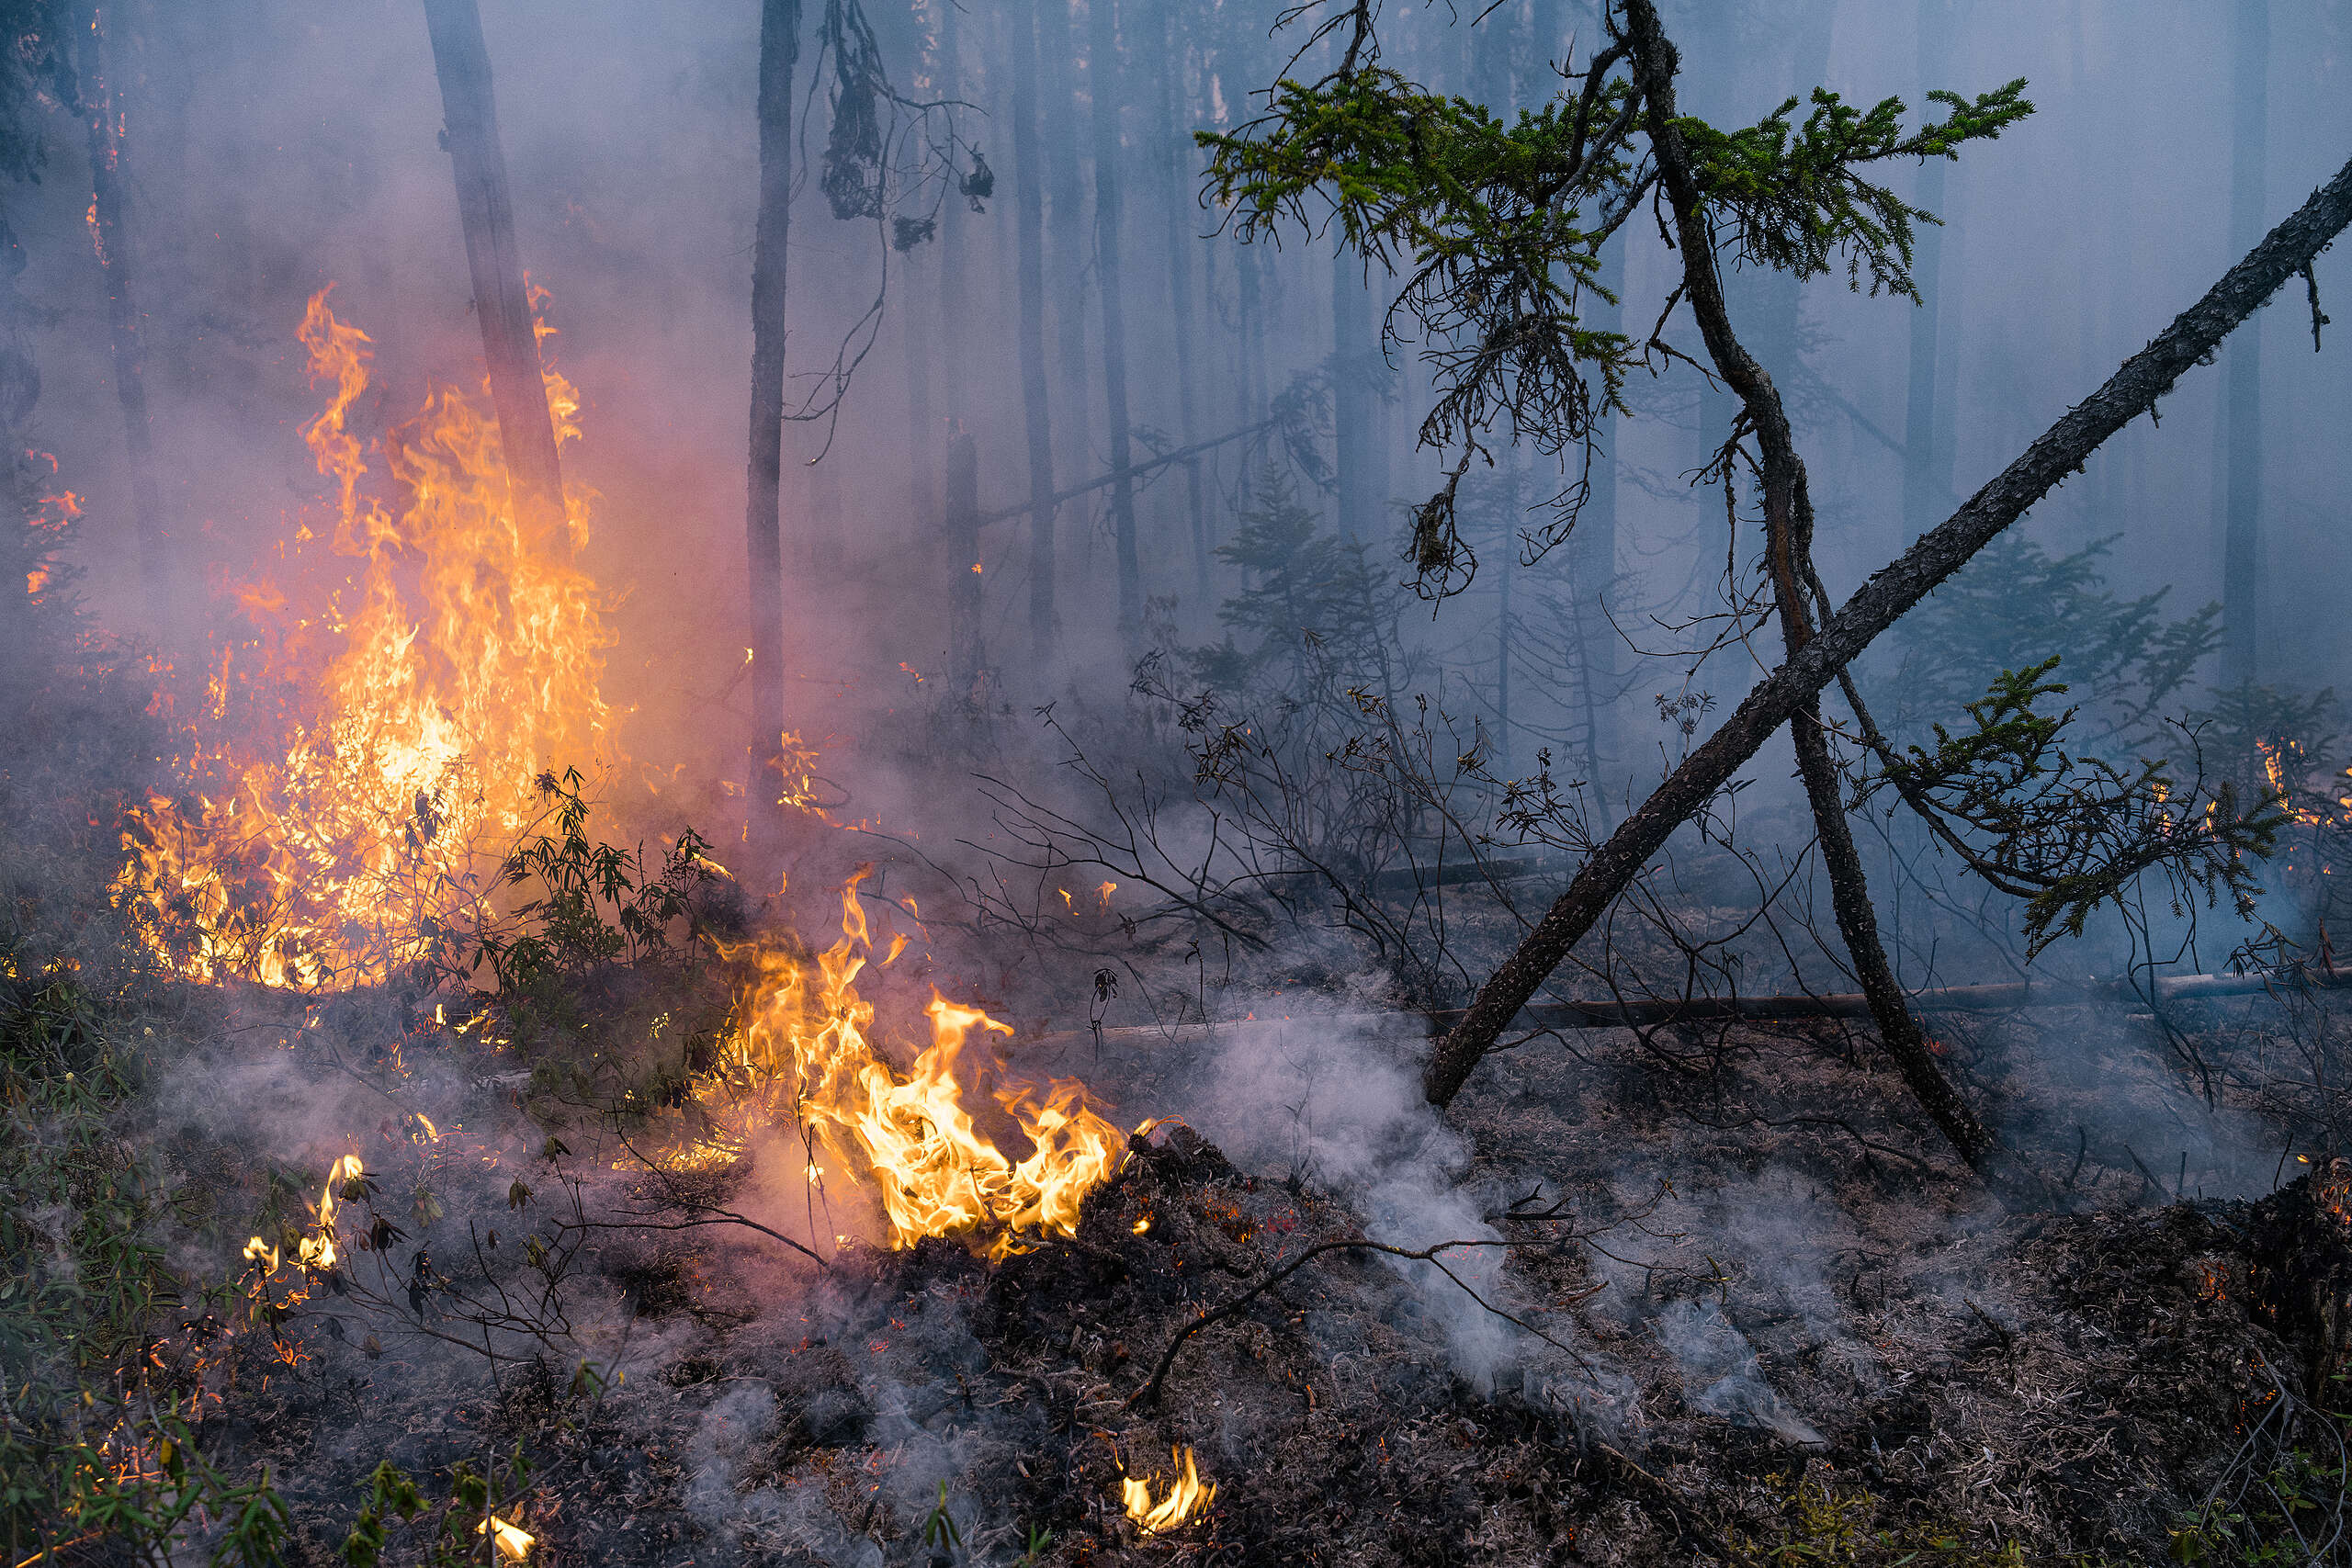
(108, 119)
(1019, 20)
(2240, 495)
(763, 520)
(1102, 67)
(510, 341)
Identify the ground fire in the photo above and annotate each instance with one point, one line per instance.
(1613, 868)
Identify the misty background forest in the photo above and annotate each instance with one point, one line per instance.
(1069, 781)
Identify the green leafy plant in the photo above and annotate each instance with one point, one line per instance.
(591, 903)
(2067, 832)
(940, 1531)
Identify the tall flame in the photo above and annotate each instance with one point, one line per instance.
(803, 1024)
(459, 661)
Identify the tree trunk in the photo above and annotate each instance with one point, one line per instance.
(509, 342)
(1029, 220)
(1788, 522)
(1891, 593)
(762, 515)
(1065, 200)
(103, 113)
(1102, 66)
(1508, 568)
(954, 239)
(1175, 175)
(1356, 365)
(2242, 389)
(1922, 493)
(966, 659)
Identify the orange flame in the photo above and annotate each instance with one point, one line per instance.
(459, 662)
(804, 1023)
(1187, 1495)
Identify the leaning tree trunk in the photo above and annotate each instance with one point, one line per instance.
(762, 519)
(102, 112)
(1029, 220)
(509, 342)
(2242, 389)
(1891, 593)
(1103, 61)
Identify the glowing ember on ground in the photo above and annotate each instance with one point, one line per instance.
(1187, 1495)
(422, 697)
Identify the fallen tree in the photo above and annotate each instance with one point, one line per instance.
(2287, 252)
(1650, 1012)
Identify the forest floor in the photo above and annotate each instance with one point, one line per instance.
(1752, 1319)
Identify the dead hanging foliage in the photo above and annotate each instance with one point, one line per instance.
(854, 149)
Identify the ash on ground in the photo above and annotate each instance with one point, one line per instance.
(1695, 1339)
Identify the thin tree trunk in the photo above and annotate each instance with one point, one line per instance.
(1029, 220)
(1890, 592)
(2241, 389)
(1788, 521)
(1509, 570)
(954, 232)
(762, 516)
(1592, 565)
(104, 112)
(1175, 175)
(509, 342)
(1065, 200)
(1249, 266)
(1102, 67)
(1354, 365)
(1923, 488)
(966, 658)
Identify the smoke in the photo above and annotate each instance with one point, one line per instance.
(1336, 1103)
(1721, 1373)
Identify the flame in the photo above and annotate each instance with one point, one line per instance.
(1187, 1494)
(318, 1251)
(803, 1024)
(457, 663)
(514, 1542)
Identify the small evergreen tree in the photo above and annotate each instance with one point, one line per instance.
(1310, 602)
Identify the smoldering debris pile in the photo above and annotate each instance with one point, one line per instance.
(1957, 1384)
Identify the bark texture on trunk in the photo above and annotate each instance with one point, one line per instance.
(509, 342)
(2062, 449)
(102, 112)
(1029, 222)
(764, 480)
